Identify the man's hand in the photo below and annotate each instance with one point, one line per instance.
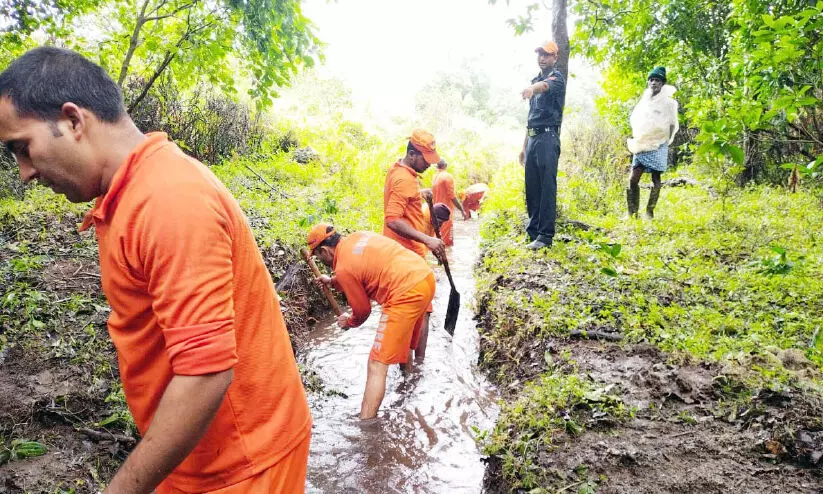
(522, 157)
(323, 281)
(437, 247)
(343, 320)
(528, 92)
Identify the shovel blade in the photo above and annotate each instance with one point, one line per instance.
(451, 312)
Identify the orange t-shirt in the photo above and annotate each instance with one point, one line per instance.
(427, 220)
(190, 295)
(370, 266)
(443, 189)
(401, 200)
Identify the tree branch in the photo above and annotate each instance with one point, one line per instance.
(172, 13)
(167, 59)
(133, 43)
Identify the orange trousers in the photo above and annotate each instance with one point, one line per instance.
(446, 233)
(287, 476)
(400, 324)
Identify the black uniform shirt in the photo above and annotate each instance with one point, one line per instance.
(546, 109)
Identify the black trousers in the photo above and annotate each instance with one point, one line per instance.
(542, 155)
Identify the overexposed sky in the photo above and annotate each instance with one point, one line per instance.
(386, 50)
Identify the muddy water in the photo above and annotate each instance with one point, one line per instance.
(421, 440)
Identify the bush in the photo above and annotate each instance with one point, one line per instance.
(595, 161)
(207, 126)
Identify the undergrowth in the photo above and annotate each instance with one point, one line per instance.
(732, 279)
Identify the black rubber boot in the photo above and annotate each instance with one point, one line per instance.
(654, 195)
(633, 200)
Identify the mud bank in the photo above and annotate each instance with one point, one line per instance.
(590, 406)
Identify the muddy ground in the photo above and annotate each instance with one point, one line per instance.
(59, 383)
(696, 428)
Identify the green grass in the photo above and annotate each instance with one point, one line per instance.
(733, 278)
(549, 410)
(714, 285)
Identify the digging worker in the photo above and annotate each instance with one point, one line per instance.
(654, 124)
(473, 197)
(368, 266)
(204, 357)
(403, 212)
(541, 148)
(441, 212)
(443, 192)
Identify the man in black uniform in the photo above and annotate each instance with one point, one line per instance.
(541, 148)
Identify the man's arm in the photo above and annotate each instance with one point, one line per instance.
(186, 409)
(523, 151)
(357, 298)
(536, 88)
(459, 206)
(405, 230)
(186, 259)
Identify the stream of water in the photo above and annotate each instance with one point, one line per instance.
(421, 441)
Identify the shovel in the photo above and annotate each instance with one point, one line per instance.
(326, 290)
(454, 296)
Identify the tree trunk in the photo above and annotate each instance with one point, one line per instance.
(560, 33)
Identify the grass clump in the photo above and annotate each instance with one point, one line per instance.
(550, 410)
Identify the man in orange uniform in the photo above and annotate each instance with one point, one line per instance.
(206, 364)
(443, 192)
(402, 208)
(370, 266)
(441, 212)
(473, 197)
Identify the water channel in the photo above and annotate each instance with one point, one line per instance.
(421, 441)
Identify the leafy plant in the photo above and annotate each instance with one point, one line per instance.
(779, 264)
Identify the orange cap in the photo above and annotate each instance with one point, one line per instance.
(318, 234)
(548, 47)
(423, 141)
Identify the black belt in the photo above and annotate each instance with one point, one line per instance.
(536, 131)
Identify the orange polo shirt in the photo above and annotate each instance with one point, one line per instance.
(370, 266)
(443, 189)
(190, 295)
(401, 200)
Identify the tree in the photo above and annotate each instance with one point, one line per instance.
(559, 29)
(749, 71)
(191, 41)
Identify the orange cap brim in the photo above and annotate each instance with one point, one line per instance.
(431, 157)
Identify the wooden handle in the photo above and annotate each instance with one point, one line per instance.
(436, 227)
(326, 290)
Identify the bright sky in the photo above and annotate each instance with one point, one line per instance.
(386, 50)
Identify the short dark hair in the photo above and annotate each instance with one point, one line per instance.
(43, 79)
(332, 241)
(411, 149)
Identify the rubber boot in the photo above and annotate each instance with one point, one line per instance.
(633, 200)
(654, 195)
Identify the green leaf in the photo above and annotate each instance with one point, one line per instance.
(111, 419)
(609, 271)
(736, 154)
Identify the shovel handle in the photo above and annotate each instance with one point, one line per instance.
(326, 290)
(437, 233)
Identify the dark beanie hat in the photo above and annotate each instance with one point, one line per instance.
(659, 72)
